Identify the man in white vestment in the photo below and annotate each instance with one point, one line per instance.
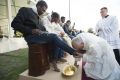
(98, 55)
(107, 28)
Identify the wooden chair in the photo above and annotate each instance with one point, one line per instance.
(39, 58)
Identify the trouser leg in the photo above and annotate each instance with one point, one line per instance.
(61, 44)
(117, 55)
(55, 54)
(50, 38)
(61, 53)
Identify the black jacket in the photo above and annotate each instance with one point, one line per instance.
(66, 29)
(26, 20)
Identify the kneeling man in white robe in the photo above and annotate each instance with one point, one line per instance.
(99, 57)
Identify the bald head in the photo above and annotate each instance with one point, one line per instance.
(77, 43)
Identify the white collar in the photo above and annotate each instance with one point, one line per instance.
(34, 8)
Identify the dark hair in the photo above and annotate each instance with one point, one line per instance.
(68, 21)
(62, 17)
(104, 8)
(55, 15)
(42, 3)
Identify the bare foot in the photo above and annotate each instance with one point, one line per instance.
(75, 64)
(62, 60)
(56, 70)
(65, 54)
(54, 64)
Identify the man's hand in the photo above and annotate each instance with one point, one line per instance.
(62, 34)
(75, 54)
(35, 31)
(75, 64)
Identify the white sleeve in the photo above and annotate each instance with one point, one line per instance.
(113, 27)
(97, 28)
(92, 56)
(47, 24)
(61, 29)
(58, 29)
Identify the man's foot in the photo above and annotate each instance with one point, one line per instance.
(56, 70)
(54, 64)
(75, 64)
(65, 54)
(62, 60)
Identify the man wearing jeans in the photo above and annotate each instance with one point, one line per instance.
(28, 22)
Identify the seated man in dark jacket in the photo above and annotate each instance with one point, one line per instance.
(28, 22)
(67, 29)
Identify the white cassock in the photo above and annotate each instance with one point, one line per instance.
(100, 60)
(109, 31)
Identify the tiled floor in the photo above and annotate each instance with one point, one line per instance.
(51, 75)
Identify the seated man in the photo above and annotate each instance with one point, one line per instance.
(62, 21)
(54, 27)
(28, 22)
(99, 58)
(57, 29)
(68, 30)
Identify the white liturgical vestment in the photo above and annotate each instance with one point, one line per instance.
(99, 57)
(107, 28)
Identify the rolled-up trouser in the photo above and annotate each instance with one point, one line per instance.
(49, 38)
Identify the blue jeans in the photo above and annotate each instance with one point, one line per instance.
(57, 53)
(49, 38)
